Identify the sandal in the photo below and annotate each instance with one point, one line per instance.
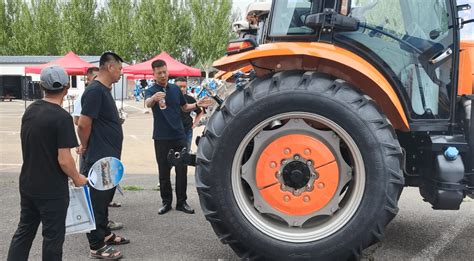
(116, 240)
(105, 252)
(115, 204)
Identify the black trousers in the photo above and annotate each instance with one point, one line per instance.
(100, 204)
(162, 148)
(52, 214)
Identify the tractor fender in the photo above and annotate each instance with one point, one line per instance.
(326, 58)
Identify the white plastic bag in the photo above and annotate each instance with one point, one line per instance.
(80, 217)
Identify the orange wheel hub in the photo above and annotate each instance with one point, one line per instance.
(273, 161)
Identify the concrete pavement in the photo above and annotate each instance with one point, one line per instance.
(417, 233)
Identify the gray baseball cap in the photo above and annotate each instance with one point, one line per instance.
(54, 78)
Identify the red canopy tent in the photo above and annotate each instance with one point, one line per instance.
(72, 63)
(139, 76)
(175, 68)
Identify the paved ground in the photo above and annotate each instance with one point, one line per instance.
(417, 233)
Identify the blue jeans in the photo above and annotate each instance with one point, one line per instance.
(189, 138)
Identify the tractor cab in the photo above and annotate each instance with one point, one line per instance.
(412, 42)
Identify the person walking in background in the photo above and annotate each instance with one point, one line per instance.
(101, 135)
(47, 136)
(167, 102)
(188, 123)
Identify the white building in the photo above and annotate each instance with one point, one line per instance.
(16, 84)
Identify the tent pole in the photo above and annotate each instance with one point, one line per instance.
(24, 90)
(123, 78)
(144, 104)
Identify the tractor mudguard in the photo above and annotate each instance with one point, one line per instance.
(326, 58)
(466, 68)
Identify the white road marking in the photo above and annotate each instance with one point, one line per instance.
(10, 132)
(8, 168)
(10, 115)
(451, 232)
(136, 138)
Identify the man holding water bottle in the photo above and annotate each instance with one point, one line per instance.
(167, 102)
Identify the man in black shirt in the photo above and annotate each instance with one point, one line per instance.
(47, 136)
(100, 133)
(167, 101)
(186, 118)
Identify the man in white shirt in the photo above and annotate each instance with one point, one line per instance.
(90, 75)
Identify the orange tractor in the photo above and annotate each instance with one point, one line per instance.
(351, 101)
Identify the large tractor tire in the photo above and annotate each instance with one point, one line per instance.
(299, 166)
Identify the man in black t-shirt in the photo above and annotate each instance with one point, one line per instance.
(47, 136)
(186, 118)
(100, 132)
(167, 102)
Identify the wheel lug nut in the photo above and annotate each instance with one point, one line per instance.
(321, 185)
(286, 198)
(306, 199)
(309, 188)
(283, 187)
(296, 157)
(287, 151)
(283, 162)
(307, 151)
(309, 163)
(273, 164)
(278, 175)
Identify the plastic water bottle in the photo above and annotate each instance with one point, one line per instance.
(162, 104)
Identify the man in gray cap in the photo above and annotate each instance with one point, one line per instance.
(47, 136)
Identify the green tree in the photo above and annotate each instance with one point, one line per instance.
(212, 30)
(4, 26)
(117, 27)
(46, 30)
(80, 27)
(162, 26)
(21, 23)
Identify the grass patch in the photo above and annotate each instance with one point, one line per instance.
(132, 188)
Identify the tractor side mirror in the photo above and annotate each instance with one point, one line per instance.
(329, 19)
